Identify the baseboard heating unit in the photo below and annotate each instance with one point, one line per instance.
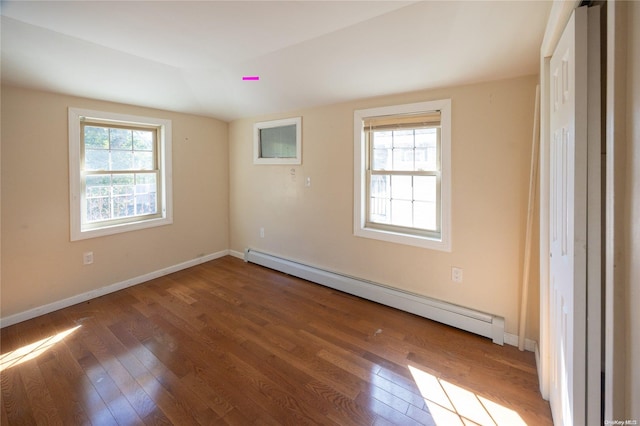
(470, 320)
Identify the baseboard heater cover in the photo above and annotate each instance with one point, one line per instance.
(470, 320)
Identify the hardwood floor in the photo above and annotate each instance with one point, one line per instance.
(228, 342)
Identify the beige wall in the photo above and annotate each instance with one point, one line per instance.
(221, 200)
(39, 263)
(491, 147)
(632, 249)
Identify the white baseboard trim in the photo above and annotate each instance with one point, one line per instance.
(238, 254)
(74, 300)
(512, 340)
(482, 323)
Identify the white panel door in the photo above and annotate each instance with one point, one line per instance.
(568, 225)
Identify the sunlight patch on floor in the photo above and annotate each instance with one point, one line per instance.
(450, 404)
(33, 350)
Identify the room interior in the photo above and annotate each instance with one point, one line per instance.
(184, 62)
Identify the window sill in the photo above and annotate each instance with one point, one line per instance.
(120, 228)
(406, 239)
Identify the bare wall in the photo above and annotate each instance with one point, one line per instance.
(491, 149)
(40, 265)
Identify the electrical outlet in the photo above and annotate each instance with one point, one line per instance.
(456, 274)
(261, 232)
(87, 258)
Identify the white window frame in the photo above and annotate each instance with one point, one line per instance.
(80, 230)
(257, 155)
(443, 243)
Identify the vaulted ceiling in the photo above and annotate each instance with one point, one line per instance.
(191, 56)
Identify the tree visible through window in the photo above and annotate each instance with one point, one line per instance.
(120, 172)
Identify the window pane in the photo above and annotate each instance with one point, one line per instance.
(96, 137)
(403, 138)
(381, 159)
(146, 179)
(117, 196)
(123, 189)
(278, 142)
(426, 149)
(426, 159)
(143, 140)
(408, 201)
(98, 194)
(96, 159)
(426, 137)
(121, 139)
(98, 208)
(379, 210)
(143, 160)
(122, 160)
(421, 155)
(120, 190)
(98, 180)
(123, 206)
(122, 180)
(145, 194)
(401, 187)
(380, 186)
(382, 139)
(403, 159)
(146, 203)
(425, 188)
(98, 191)
(401, 213)
(425, 215)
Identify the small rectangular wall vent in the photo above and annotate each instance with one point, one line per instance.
(470, 320)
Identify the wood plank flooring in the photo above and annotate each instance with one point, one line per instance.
(228, 342)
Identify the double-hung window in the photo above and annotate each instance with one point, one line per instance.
(403, 174)
(120, 169)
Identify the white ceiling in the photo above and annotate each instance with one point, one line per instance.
(191, 56)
